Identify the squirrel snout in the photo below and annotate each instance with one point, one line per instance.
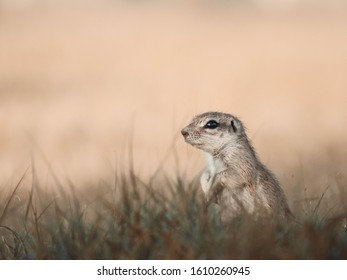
(184, 132)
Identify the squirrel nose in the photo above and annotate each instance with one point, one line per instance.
(184, 132)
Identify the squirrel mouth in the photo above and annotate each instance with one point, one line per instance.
(195, 144)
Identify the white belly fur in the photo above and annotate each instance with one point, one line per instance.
(213, 168)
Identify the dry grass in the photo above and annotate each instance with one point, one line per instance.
(129, 219)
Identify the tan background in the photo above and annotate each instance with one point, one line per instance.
(79, 81)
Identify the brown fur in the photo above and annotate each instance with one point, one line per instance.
(235, 179)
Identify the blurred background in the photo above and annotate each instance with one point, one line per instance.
(82, 83)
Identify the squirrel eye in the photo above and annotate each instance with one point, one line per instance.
(212, 124)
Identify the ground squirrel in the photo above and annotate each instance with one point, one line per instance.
(235, 178)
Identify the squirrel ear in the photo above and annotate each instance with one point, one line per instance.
(232, 123)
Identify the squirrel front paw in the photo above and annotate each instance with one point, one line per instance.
(205, 181)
